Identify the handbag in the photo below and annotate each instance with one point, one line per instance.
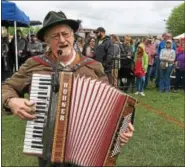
(163, 64)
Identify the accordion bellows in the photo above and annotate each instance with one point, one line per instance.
(89, 115)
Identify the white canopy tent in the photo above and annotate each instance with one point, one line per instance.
(179, 36)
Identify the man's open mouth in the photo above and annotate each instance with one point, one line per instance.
(63, 46)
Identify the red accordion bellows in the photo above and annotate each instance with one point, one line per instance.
(90, 122)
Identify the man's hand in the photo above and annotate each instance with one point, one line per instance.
(22, 108)
(125, 136)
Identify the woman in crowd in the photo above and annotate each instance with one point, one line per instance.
(80, 44)
(150, 50)
(180, 67)
(167, 58)
(89, 52)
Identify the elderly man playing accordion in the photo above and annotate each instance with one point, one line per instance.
(58, 33)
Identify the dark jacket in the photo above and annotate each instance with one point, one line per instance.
(104, 54)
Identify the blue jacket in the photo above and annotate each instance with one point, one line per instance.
(162, 45)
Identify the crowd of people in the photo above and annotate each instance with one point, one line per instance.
(129, 63)
(26, 47)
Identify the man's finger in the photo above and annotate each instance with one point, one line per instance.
(30, 110)
(124, 139)
(128, 134)
(27, 115)
(27, 109)
(130, 127)
(123, 143)
(21, 116)
(29, 103)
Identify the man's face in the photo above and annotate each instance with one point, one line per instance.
(99, 35)
(60, 38)
(168, 36)
(18, 34)
(148, 41)
(33, 38)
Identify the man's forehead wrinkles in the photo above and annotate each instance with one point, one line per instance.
(58, 30)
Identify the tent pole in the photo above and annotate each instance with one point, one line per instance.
(16, 56)
(29, 35)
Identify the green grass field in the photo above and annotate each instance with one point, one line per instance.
(157, 141)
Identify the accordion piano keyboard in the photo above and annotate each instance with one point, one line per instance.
(40, 93)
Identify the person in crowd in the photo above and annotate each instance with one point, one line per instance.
(116, 57)
(34, 47)
(104, 51)
(21, 49)
(127, 47)
(153, 69)
(90, 47)
(58, 32)
(179, 46)
(80, 44)
(167, 58)
(180, 67)
(166, 36)
(157, 41)
(133, 43)
(138, 41)
(126, 64)
(150, 50)
(5, 59)
(141, 65)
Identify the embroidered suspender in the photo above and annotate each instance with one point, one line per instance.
(44, 60)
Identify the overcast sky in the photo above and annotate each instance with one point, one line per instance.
(120, 17)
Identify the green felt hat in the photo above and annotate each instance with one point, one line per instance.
(53, 19)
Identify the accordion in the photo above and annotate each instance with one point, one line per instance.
(79, 124)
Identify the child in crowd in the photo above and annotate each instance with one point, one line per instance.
(141, 65)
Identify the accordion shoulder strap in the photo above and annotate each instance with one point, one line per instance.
(83, 61)
(45, 61)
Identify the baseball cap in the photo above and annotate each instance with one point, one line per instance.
(32, 34)
(99, 29)
(149, 37)
(170, 41)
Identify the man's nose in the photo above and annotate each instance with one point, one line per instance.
(61, 38)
